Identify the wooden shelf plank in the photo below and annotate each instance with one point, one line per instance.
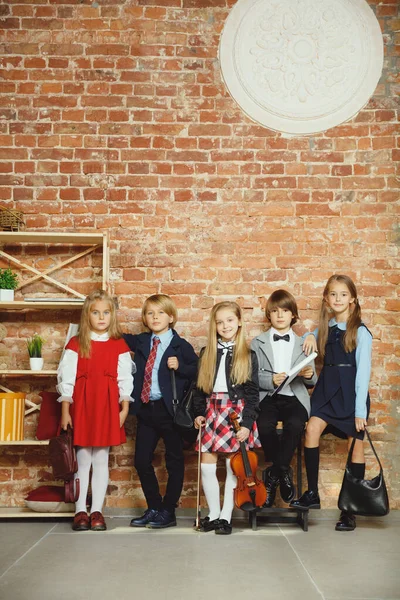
(45, 237)
(26, 443)
(19, 512)
(28, 372)
(21, 305)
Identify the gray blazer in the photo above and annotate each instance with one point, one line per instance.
(262, 347)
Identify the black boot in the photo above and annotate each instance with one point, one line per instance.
(271, 482)
(286, 484)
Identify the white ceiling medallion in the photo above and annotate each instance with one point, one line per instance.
(301, 66)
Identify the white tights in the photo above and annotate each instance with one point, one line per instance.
(97, 458)
(211, 490)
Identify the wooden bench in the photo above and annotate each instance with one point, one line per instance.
(284, 514)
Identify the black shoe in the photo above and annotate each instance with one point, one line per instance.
(223, 527)
(164, 518)
(286, 485)
(308, 500)
(271, 483)
(347, 522)
(207, 525)
(144, 519)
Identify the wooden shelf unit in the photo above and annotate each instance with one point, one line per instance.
(93, 240)
(42, 238)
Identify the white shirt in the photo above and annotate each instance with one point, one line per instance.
(283, 352)
(220, 384)
(66, 373)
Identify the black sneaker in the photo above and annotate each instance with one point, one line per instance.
(347, 522)
(223, 527)
(271, 483)
(164, 518)
(207, 525)
(286, 484)
(308, 500)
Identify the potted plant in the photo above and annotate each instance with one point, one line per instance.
(34, 345)
(8, 283)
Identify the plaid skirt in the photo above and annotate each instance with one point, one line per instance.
(217, 433)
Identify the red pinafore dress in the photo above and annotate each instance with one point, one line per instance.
(95, 408)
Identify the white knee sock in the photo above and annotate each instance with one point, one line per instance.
(211, 489)
(230, 484)
(99, 477)
(84, 458)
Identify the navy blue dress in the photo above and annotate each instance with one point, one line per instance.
(334, 396)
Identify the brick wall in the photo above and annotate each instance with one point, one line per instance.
(113, 116)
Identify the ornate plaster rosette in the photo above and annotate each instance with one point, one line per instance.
(301, 66)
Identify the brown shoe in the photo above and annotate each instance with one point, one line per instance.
(81, 522)
(97, 522)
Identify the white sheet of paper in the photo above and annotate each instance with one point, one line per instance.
(295, 370)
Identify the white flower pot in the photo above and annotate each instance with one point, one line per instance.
(36, 364)
(6, 295)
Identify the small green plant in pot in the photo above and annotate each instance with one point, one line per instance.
(34, 345)
(8, 283)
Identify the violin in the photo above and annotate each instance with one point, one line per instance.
(250, 492)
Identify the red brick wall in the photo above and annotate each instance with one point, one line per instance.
(113, 116)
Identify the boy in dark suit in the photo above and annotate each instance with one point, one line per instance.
(278, 350)
(157, 352)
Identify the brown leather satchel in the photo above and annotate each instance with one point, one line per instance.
(64, 464)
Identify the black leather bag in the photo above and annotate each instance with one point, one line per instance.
(366, 497)
(183, 416)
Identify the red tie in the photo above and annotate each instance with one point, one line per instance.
(145, 397)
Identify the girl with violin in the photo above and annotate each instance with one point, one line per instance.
(227, 381)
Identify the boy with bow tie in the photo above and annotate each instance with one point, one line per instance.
(157, 351)
(278, 350)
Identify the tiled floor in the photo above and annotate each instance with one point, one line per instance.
(47, 560)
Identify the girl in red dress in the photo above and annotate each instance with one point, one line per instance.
(95, 380)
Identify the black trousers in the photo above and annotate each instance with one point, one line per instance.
(155, 422)
(280, 449)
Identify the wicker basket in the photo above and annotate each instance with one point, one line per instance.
(10, 220)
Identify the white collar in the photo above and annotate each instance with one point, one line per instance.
(99, 337)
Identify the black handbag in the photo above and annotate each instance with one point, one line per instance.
(183, 416)
(366, 497)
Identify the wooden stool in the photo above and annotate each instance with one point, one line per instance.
(284, 514)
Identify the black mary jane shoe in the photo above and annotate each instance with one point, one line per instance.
(223, 528)
(206, 525)
(308, 500)
(347, 522)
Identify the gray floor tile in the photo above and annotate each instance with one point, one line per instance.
(363, 564)
(18, 538)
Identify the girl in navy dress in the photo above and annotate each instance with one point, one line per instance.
(227, 380)
(340, 401)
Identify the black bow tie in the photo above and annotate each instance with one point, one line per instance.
(285, 337)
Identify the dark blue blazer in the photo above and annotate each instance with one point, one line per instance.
(186, 372)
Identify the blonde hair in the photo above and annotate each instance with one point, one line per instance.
(241, 366)
(165, 303)
(84, 327)
(353, 322)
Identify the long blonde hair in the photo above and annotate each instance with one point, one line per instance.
(241, 366)
(353, 322)
(84, 327)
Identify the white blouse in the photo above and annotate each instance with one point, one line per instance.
(66, 373)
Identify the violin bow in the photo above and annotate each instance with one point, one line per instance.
(198, 507)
